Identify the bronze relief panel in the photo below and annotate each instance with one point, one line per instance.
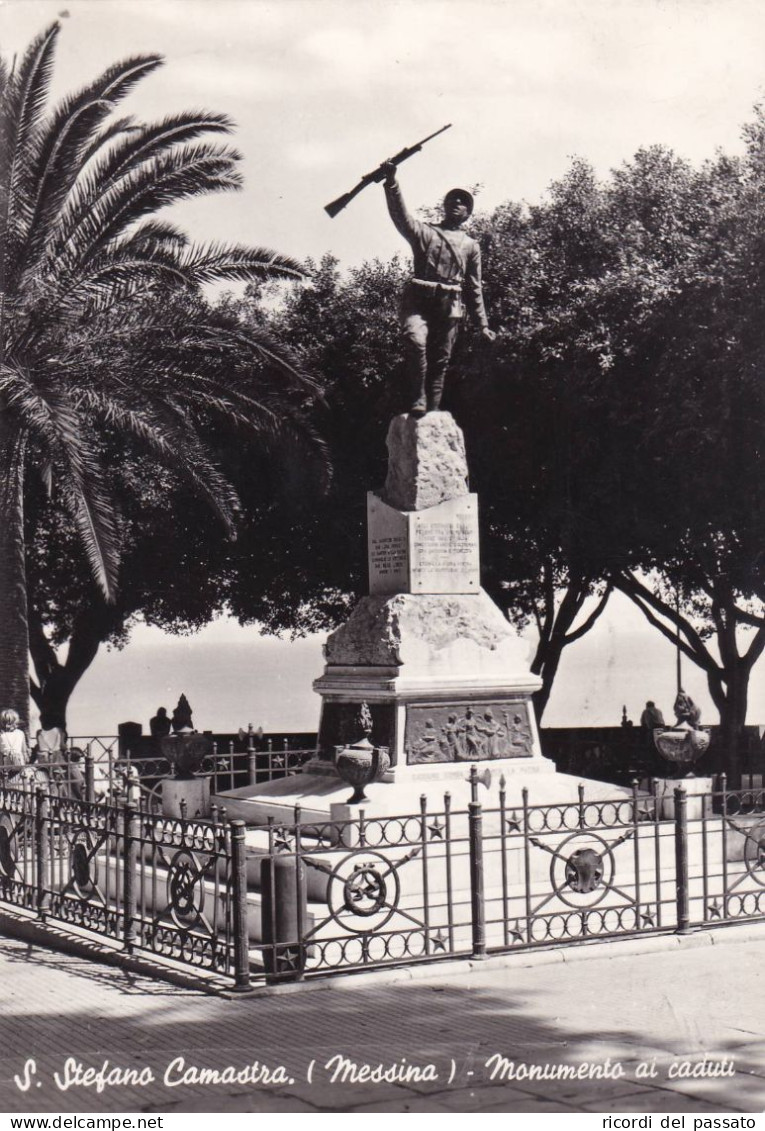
(468, 732)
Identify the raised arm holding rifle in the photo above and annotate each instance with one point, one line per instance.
(447, 272)
(447, 276)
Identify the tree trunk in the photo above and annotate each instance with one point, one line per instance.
(555, 635)
(57, 681)
(732, 719)
(547, 665)
(14, 632)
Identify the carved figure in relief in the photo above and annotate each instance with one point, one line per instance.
(471, 735)
(478, 734)
(450, 742)
(519, 736)
(491, 733)
(427, 748)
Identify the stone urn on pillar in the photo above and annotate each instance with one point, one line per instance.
(685, 742)
(184, 793)
(361, 763)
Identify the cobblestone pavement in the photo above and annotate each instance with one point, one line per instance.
(674, 1009)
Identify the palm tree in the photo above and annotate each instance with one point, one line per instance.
(94, 333)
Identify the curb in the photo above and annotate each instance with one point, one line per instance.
(47, 935)
(465, 968)
(16, 925)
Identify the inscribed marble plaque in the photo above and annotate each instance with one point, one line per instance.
(444, 548)
(428, 551)
(387, 548)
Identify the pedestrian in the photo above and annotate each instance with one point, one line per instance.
(14, 750)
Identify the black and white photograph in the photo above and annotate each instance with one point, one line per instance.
(382, 561)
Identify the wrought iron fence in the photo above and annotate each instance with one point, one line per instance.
(730, 885)
(93, 767)
(171, 887)
(307, 898)
(376, 891)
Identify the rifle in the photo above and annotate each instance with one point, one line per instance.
(379, 174)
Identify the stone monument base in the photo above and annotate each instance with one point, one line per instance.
(444, 677)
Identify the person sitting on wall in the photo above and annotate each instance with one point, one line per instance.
(652, 716)
(160, 724)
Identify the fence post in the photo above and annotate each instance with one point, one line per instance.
(130, 864)
(41, 851)
(681, 861)
(239, 896)
(475, 831)
(90, 785)
(252, 764)
(283, 890)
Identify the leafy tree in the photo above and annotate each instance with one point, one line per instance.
(91, 339)
(630, 380)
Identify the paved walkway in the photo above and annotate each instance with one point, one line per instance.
(676, 1007)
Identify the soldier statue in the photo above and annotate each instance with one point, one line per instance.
(447, 275)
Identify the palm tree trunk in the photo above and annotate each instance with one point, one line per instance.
(14, 633)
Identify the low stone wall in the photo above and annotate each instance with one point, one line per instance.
(144, 746)
(621, 754)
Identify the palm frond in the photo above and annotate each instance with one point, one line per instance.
(186, 172)
(107, 134)
(25, 101)
(165, 432)
(52, 418)
(129, 155)
(227, 261)
(57, 150)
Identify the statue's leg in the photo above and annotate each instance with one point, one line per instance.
(414, 331)
(443, 335)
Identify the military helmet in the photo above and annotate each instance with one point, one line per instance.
(463, 196)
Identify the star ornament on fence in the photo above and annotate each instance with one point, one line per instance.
(288, 959)
(513, 824)
(439, 941)
(436, 830)
(283, 842)
(647, 918)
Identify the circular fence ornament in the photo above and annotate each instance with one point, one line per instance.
(8, 846)
(83, 866)
(363, 892)
(185, 889)
(754, 852)
(582, 869)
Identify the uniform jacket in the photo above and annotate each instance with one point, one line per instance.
(441, 255)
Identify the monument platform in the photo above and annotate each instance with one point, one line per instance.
(322, 796)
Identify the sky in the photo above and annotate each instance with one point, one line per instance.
(321, 92)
